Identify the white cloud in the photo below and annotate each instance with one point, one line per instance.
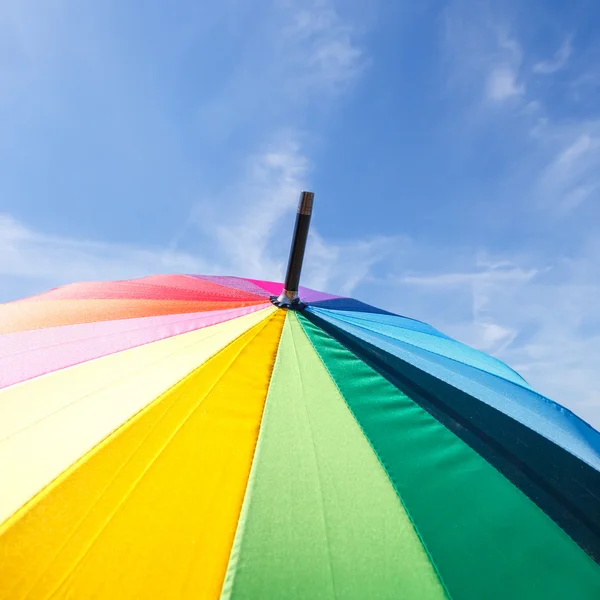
(249, 239)
(313, 54)
(544, 322)
(344, 265)
(307, 55)
(557, 161)
(49, 261)
(558, 61)
(493, 274)
(246, 248)
(571, 175)
(482, 331)
(305, 51)
(322, 49)
(484, 52)
(572, 154)
(253, 237)
(502, 84)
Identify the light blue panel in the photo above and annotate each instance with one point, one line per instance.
(427, 339)
(395, 321)
(518, 401)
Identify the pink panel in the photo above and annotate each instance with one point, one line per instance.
(272, 287)
(28, 354)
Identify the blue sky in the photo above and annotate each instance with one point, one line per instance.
(454, 148)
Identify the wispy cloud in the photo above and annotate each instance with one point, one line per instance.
(346, 264)
(48, 260)
(251, 237)
(558, 61)
(541, 320)
(558, 158)
(491, 275)
(483, 331)
(261, 105)
(315, 55)
(486, 56)
(249, 247)
(307, 55)
(536, 311)
(571, 176)
(323, 51)
(502, 83)
(504, 63)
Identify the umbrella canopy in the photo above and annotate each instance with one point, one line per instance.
(180, 436)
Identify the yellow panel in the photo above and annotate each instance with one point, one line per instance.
(152, 511)
(48, 423)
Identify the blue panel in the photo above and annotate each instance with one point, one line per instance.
(518, 401)
(349, 304)
(395, 321)
(427, 338)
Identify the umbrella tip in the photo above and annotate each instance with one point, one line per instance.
(289, 295)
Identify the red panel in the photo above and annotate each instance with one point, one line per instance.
(157, 287)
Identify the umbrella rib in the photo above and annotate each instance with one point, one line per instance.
(595, 450)
(323, 513)
(411, 389)
(456, 360)
(382, 462)
(254, 450)
(103, 387)
(95, 448)
(132, 488)
(229, 581)
(116, 334)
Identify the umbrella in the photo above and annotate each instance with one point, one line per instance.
(188, 436)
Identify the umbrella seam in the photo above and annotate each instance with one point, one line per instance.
(434, 333)
(328, 545)
(528, 388)
(505, 453)
(46, 488)
(153, 461)
(382, 462)
(184, 317)
(226, 594)
(139, 283)
(260, 292)
(104, 387)
(555, 405)
(135, 330)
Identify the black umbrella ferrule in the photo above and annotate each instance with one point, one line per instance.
(289, 296)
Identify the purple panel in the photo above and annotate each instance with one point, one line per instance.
(265, 288)
(309, 295)
(234, 282)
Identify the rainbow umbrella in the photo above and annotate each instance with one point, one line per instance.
(184, 436)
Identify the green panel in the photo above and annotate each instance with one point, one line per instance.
(321, 518)
(486, 538)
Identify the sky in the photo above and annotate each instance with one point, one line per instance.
(453, 147)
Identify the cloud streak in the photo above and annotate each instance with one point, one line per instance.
(324, 55)
(559, 60)
(49, 260)
(541, 320)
